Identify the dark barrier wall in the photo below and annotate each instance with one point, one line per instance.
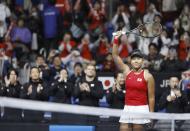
(23, 127)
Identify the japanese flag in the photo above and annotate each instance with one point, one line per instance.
(107, 81)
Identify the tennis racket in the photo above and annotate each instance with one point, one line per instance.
(147, 30)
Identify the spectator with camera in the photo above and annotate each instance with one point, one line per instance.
(40, 62)
(96, 18)
(101, 48)
(66, 45)
(78, 73)
(56, 66)
(85, 47)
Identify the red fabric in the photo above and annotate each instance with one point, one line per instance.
(4, 47)
(85, 52)
(182, 50)
(124, 51)
(72, 43)
(116, 41)
(141, 6)
(65, 52)
(136, 89)
(96, 20)
(63, 6)
(9, 53)
(102, 49)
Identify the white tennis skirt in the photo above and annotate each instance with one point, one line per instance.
(134, 109)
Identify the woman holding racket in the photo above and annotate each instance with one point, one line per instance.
(139, 97)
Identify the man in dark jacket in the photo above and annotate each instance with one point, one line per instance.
(61, 89)
(35, 89)
(61, 92)
(89, 90)
(173, 99)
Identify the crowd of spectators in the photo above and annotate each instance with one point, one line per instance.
(60, 26)
(60, 44)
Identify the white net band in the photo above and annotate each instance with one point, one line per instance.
(77, 109)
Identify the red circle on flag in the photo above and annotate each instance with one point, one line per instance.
(106, 82)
